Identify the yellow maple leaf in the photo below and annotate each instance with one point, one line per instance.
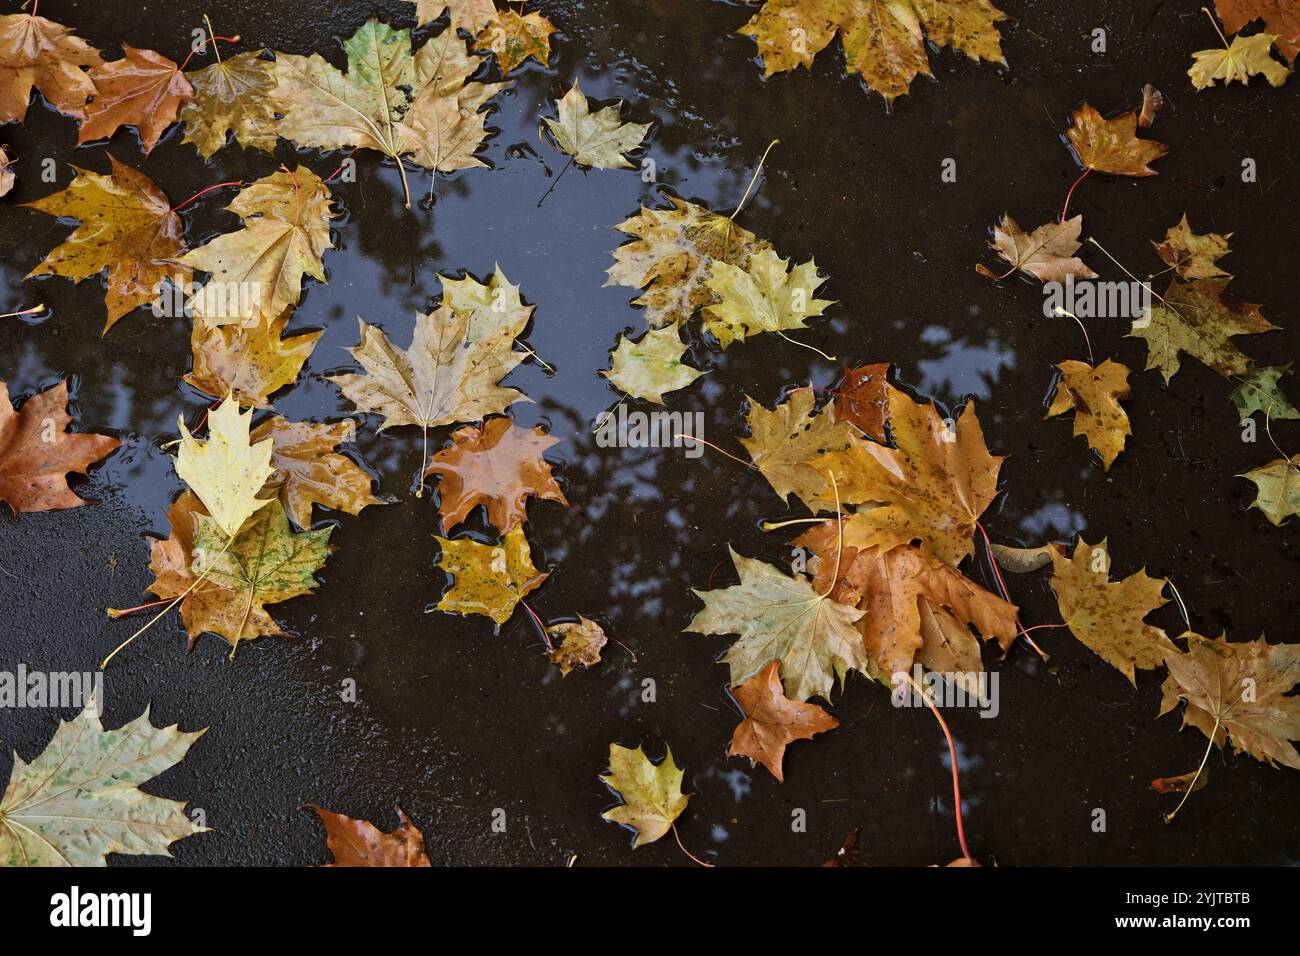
(490, 579)
(227, 471)
(1095, 394)
(652, 794)
(248, 361)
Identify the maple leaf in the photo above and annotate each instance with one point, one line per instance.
(402, 104)
(498, 466)
(782, 441)
(1047, 253)
(1277, 488)
(651, 794)
(1238, 691)
(227, 471)
(594, 139)
(257, 270)
(932, 487)
(761, 297)
(36, 52)
(1112, 146)
(515, 37)
(580, 645)
(37, 452)
(309, 471)
(908, 599)
(1240, 60)
(650, 366)
(468, 15)
(490, 579)
(1279, 16)
(863, 399)
(361, 843)
(248, 361)
(1107, 616)
(884, 43)
(1192, 317)
(1261, 391)
(1095, 394)
(79, 800)
(226, 582)
(126, 226)
(672, 255)
(6, 172)
(232, 96)
(144, 89)
(772, 721)
(781, 618)
(1193, 255)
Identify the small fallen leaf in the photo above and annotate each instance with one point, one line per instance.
(361, 843)
(863, 399)
(309, 471)
(782, 441)
(79, 800)
(1193, 318)
(1261, 391)
(498, 466)
(489, 579)
(772, 721)
(126, 226)
(1238, 691)
(1094, 394)
(1023, 560)
(1242, 59)
(514, 38)
(144, 89)
(37, 452)
(232, 96)
(1277, 489)
(1153, 102)
(764, 296)
(249, 362)
(1182, 783)
(36, 52)
(226, 471)
(1112, 146)
(1193, 255)
(596, 139)
(1047, 253)
(651, 794)
(848, 854)
(651, 366)
(580, 645)
(6, 172)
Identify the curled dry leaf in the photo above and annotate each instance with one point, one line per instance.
(125, 225)
(37, 452)
(651, 794)
(580, 645)
(144, 89)
(1094, 394)
(773, 721)
(489, 579)
(36, 52)
(249, 362)
(361, 843)
(1112, 146)
(498, 466)
(1047, 253)
(309, 471)
(1023, 560)
(1107, 616)
(1183, 783)
(79, 800)
(1153, 102)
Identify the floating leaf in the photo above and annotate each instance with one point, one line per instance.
(594, 139)
(580, 645)
(1242, 59)
(1047, 253)
(782, 441)
(249, 362)
(1193, 255)
(144, 89)
(1094, 394)
(1280, 16)
(6, 172)
(1277, 489)
(308, 470)
(1261, 391)
(764, 296)
(651, 366)
(514, 37)
(232, 96)
(1112, 146)
(227, 471)
(652, 795)
(490, 579)
(863, 399)
(36, 52)
(361, 843)
(773, 721)
(1193, 318)
(468, 15)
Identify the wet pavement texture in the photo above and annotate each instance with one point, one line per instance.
(452, 721)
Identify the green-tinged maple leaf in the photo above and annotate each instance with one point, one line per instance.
(1238, 691)
(79, 800)
(232, 96)
(257, 270)
(883, 42)
(651, 794)
(1107, 616)
(226, 471)
(1261, 391)
(309, 471)
(596, 139)
(672, 256)
(417, 105)
(1277, 488)
(1193, 255)
(1193, 318)
(1240, 60)
(490, 579)
(765, 296)
(1095, 395)
(781, 618)
(125, 225)
(782, 441)
(652, 365)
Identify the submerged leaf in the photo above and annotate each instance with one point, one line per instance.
(1261, 391)
(232, 96)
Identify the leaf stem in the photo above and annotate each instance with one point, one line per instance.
(34, 310)
(1169, 817)
(688, 852)
(204, 192)
(1092, 359)
(952, 754)
(1216, 26)
(753, 180)
(1066, 208)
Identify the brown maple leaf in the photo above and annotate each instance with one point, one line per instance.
(498, 466)
(1112, 146)
(144, 89)
(36, 52)
(37, 452)
(1047, 253)
(580, 645)
(772, 720)
(6, 172)
(361, 843)
(308, 470)
(863, 399)
(1280, 16)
